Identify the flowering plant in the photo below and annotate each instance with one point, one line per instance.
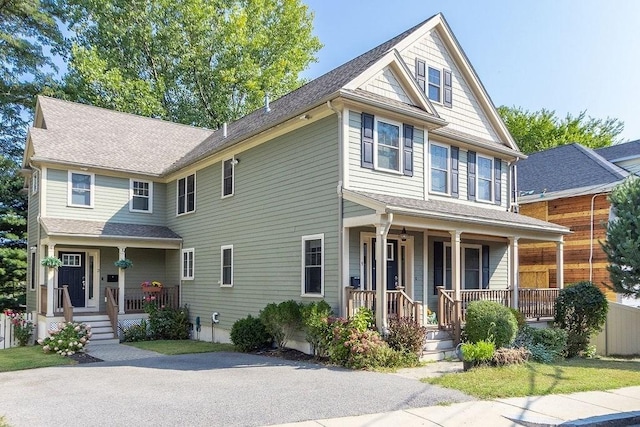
(22, 328)
(68, 339)
(153, 284)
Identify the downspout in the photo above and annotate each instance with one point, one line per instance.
(341, 304)
(591, 235)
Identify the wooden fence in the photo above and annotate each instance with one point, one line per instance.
(621, 332)
(6, 330)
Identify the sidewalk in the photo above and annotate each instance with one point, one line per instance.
(619, 407)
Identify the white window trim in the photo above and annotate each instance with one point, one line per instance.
(448, 148)
(233, 178)
(33, 269)
(428, 83)
(195, 191)
(192, 251)
(131, 195)
(304, 240)
(400, 145)
(222, 249)
(463, 246)
(491, 184)
(35, 181)
(91, 189)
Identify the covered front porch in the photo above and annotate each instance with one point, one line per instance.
(436, 256)
(88, 282)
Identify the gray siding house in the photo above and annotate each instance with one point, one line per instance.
(384, 182)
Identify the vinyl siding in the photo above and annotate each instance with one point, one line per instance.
(32, 237)
(376, 181)
(386, 84)
(351, 210)
(632, 166)
(284, 189)
(466, 114)
(111, 201)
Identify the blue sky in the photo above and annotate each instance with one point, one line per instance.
(566, 56)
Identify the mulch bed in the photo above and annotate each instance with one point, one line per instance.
(84, 358)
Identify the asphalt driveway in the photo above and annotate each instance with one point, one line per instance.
(229, 389)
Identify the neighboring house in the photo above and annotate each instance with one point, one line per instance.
(568, 185)
(626, 155)
(390, 173)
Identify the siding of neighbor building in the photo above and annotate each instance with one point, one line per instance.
(284, 189)
(111, 200)
(537, 261)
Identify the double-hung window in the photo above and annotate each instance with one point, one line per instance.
(228, 167)
(313, 264)
(226, 265)
(141, 199)
(186, 194)
(439, 155)
(386, 145)
(434, 87)
(80, 189)
(485, 178)
(388, 141)
(188, 264)
(35, 181)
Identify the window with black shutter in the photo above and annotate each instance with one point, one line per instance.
(447, 98)
(471, 175)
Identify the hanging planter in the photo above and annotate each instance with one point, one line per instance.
(123, 263)
(51, 262)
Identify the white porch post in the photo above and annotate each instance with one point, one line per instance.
(51, 251)
(455, 279)
(513, 270)
(381, 274)
(560, 264)
(121, 277)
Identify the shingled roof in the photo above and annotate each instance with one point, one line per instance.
(566, 167)
(617, 152)
(97, 137)
(74, 227)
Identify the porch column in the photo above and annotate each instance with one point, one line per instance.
(381, 274)
(560, 264)
(121, 277)
(514, 270)
(455, 279)
(51, 251)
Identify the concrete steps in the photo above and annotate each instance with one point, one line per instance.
(101, 330)
(438, 346)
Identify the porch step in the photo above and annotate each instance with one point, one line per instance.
(437, 355)
(431, 345)
(437, 334)
(101, 330)
(438, 345)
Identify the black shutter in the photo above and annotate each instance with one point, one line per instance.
(455, 156)
(471, 175)
(367, 141)
(447, 99)
(421, 74)
(485, 267)
(497, 180)
(438, 266)
(408, 149)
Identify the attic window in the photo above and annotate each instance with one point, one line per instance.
(434, 84)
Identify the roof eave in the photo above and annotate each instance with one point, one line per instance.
(511, 153)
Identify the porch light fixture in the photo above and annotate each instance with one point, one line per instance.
(403, 234)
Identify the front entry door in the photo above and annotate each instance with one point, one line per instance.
(72, 274)
(392, 264)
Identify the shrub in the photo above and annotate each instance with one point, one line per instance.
(406, 335)
(545, 345)
(489, 320)
(520, 320)
(249, 334)
(282, 320)
(480, 351)
(69, 339)
(581, 310)
(22, 328)
(315, 317)
(135, 333)
(510, 356)
(166, 323)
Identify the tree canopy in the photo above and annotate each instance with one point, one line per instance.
(199, 62)
(541, 130)
(623, 238)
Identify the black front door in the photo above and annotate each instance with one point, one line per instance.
(72, 274)
(392, 264)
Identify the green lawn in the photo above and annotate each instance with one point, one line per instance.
(19, 358)
(181, 347)
(534, 379)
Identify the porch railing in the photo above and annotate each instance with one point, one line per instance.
(111, 295)
(58, 301)
(134, 299)
(398, 303)
(67, 307)
(537, 303)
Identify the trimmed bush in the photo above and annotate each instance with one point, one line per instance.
(166, 323)
(520, 320)
(250, 334)
(546, 345)
(315, 317)
(135, 333)
(489, 320)
(282, 320)
(405, 335)
(581, 310)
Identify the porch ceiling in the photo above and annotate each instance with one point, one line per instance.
(440, 210)
(71, 228)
